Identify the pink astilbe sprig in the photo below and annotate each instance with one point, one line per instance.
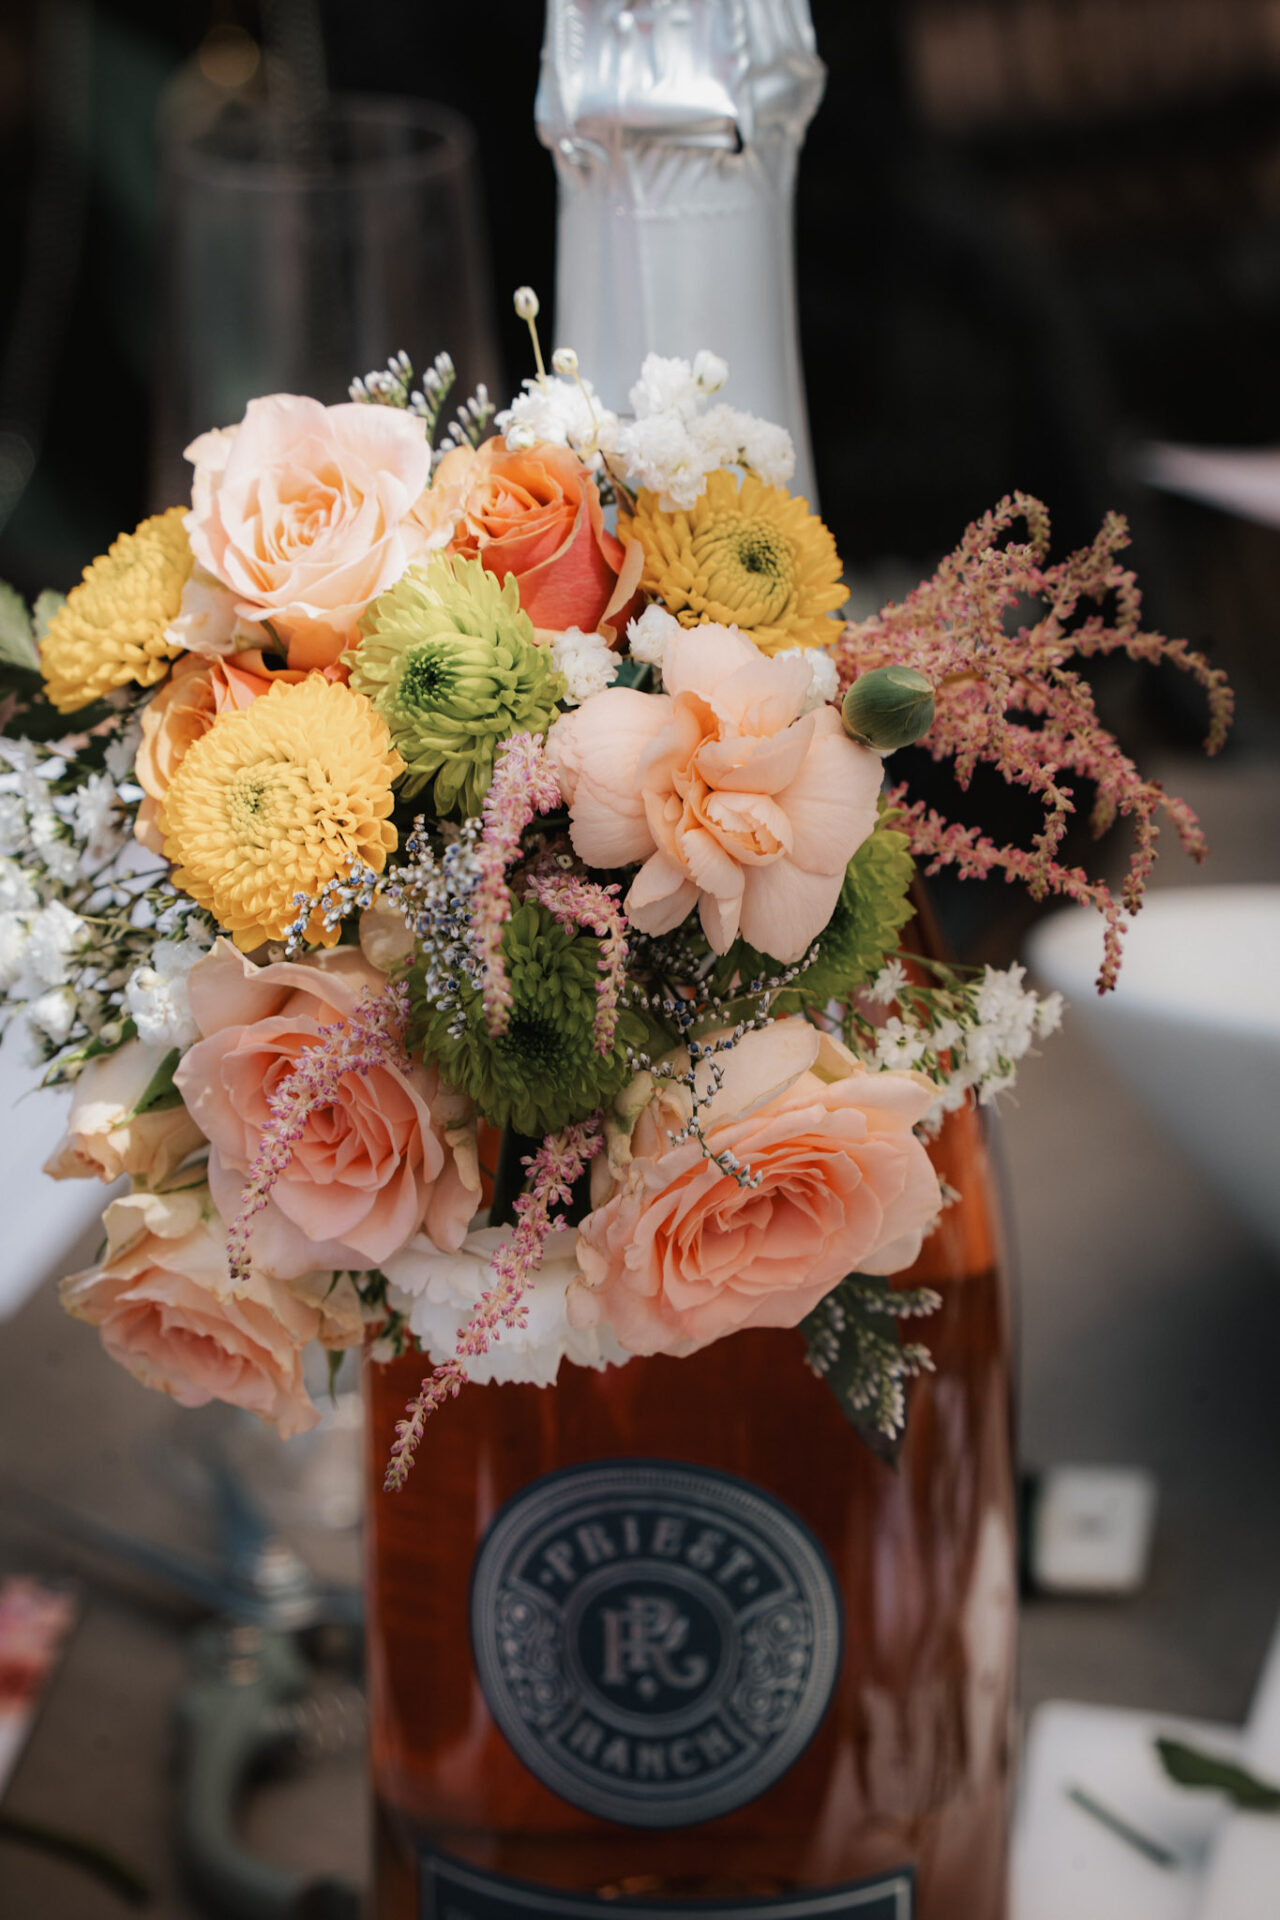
(578, 902)
(372, 1036)
(1006, 697)
(553, 1170)
(524, 784)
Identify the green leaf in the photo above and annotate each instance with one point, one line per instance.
(17, 643)
(853, 1345)
(160, 1093)
(634, 673)
(1189, 1767)
(48, 604)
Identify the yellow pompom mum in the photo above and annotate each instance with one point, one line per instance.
(278, 800)
(752, 557)
(112, 628)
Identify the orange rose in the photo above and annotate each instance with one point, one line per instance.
(187, 705)
(536, 515)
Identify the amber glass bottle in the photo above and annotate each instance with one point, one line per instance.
(670, 1633)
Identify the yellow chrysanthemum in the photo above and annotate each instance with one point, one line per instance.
(112, 628)
(277, 801)
(752, 557)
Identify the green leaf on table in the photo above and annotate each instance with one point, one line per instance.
(1189, 1767)
(17, 642)
(852, 1337)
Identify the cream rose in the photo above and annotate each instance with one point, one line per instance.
(106, 1135)
(678, 1253)
(166, 1309)
(393, 1155)
(305, 513)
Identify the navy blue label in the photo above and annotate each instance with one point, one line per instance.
(657, 1642)
(451, 1891)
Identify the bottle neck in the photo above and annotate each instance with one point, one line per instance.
(676, 132)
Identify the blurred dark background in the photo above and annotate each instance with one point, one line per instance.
(1032, 234)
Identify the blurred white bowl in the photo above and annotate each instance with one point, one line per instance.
(1194, 1026)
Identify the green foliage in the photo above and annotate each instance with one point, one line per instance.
(544, 1070)
(853, 1345)
(160, 1092)
(17, 639)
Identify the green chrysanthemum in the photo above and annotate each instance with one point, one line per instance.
(451, 663)
(860, 936)
(544, 1071)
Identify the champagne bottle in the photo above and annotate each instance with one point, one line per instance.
(671, 1632)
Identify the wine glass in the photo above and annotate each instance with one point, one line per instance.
(300, 250)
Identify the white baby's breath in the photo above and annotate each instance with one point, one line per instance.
(586, 661)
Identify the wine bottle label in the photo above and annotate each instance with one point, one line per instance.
(451, 1891)
(658, 1642)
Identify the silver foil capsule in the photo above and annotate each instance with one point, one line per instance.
(676, 126)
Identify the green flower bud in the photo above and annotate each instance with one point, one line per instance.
(888, 708)
(451, 663)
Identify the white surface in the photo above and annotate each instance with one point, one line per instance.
(1092, 1528)
(1241, 480)
(43, 1218)
(1066, 1865)
(1243, 1882)
(1194, 1026)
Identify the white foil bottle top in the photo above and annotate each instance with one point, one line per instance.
(676, 126)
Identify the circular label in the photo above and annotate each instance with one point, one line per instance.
(657, 1642)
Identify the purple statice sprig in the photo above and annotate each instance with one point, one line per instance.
(373, 1035)
(578, 902)
(553, 1171)
(1007, 697)
(524, 784)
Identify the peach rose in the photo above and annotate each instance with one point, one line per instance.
(394, 1153)
(677, 1253)
(536, 515)
(736, 799)
(106, 1136)
(167, 1310)
(305, 513)
(187, 705)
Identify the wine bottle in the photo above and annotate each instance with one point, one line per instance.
(671, 1632)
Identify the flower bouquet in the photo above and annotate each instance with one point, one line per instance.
(519, 783)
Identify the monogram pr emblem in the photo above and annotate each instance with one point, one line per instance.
(657, 1642)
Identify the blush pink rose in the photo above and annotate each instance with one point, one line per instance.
(394, 1155)
(678, 1254)
(733, 797)
(305, 513)
(167, 1309)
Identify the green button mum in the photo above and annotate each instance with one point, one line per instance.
(451, 663)
(544, 1071)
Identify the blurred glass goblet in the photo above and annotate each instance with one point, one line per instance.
(300, 251)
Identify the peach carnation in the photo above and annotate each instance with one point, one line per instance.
(305, 513)
(393, 1155)
(735, 799)
(167, 1310)
(678, 1253)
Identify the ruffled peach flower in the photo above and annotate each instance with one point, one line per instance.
(678, 1254)
(188, 703)
(393, 1155)
(536, 515)
(167, 1310)
(106, 1136)
(305, 513)
(735, 799)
